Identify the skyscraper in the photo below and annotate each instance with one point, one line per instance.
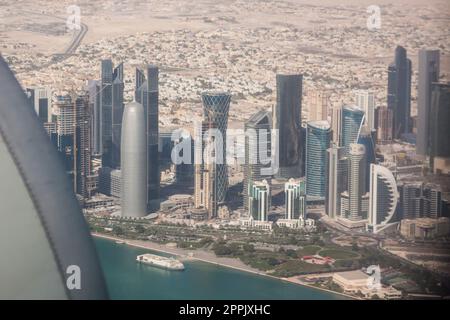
(147, 93)
(366, 137)
(355, 201)
(428, 74)
(260, 200)
(318, 105)
(384, 124)
(84, 180)
(351, 123)
(65, 124)
(41, 100)
(421, 200)
(318, 137)
(257, 130)
(211, 174)
(93, 88)
(111, 105)
(366, 101)
(336, 125)
(399, 92)
(134, 162)
(287, 120)
(439, 129)
(383, 198)
(73, 140)
(336, 179)
(432, 200)
(295, 198)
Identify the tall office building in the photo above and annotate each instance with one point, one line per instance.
(41, 100)
(432, 201)
(257, 137)
(366, 137)
(93, 88)
(211, 174)
(385, 120)
(351, 123)
(260, 200)
(383, 198)
(420, 200)
(134, 162)
(318, 137)
(147, 93)
(295, 198)
(366, 101)
(65, 124)
(318, 105)
(399, 92)
(355, 201)
(287, 120)
(336, 126)
(428, 74)
(84, 179)
(411, 200)
(336, 179)
(439, 132)
(111, 105)
(73, 140)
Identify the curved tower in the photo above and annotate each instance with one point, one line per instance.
(134, 161)
(383, 198)
(215, 116)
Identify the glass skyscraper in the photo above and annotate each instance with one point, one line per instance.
(147, 93)
(399, 92)
(111, 104)
(257, 130)
(295, 199)
(287, 120)
(318, 137)
(351, 123)
(428, 74)
(211, 174)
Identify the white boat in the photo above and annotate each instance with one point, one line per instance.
(160, 262)
(120, 242)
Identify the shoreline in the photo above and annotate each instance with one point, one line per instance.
(182, 253)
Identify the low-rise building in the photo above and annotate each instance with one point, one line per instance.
(425, 228)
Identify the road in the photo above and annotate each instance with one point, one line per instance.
(77, 38)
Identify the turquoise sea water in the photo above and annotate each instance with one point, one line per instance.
(127, 279)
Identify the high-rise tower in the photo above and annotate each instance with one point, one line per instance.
(383, 198)
(147, 93)
(111, 105)
(336, 179)
(399, 92)
(318, 137)
(295, 198)
(366, 101)
(211, 174)
(428, 73)
(257, 137)
(351, 123)
(287, 120)
(134, 162)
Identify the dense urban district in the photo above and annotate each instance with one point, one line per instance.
(335, 170)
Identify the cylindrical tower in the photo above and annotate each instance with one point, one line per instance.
(134, 161)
